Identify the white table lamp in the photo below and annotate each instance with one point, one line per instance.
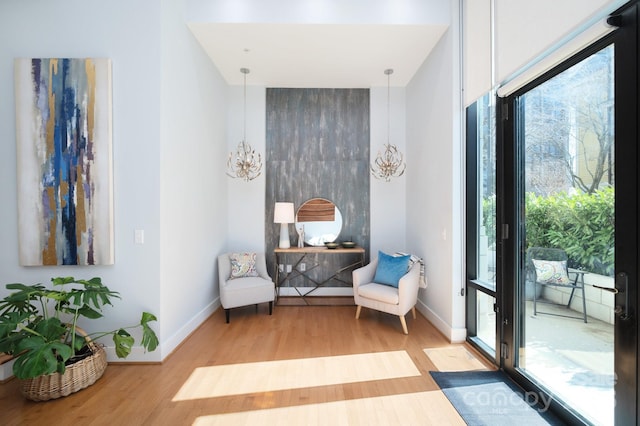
(283, 214)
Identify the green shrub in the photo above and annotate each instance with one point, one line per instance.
(489, 219)
(581, 224)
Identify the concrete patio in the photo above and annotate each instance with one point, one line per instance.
(572, 359)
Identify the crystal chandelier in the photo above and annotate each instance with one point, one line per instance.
(389, 163)
(245, 163)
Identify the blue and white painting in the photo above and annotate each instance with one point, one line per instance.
(63, 130)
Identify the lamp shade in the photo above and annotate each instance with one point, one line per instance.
(283, 213)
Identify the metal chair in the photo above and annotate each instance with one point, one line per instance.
(548, 267)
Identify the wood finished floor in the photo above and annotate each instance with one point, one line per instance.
(142, 394)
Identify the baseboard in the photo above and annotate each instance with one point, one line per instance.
(455, 335)
(138, 353)
(6, 370)
(167, 346)
(320, 291)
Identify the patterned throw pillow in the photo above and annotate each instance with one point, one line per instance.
(243, 265)
(551, 271)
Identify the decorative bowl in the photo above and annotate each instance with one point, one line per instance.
(331, 245)
(348, 244)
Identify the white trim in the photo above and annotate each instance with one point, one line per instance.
(167, 346)
(321, 291)
(6, 370)
(455, 335)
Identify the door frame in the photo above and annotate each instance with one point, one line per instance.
(509, 235)
(510, 256)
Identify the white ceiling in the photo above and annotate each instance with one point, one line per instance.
(317, 55)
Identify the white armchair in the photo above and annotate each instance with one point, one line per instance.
(247, 287)
(385, 298)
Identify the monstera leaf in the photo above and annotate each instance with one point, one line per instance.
(39, 325)
(40, 357)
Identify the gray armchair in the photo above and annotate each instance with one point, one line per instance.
(253, 288)
(385, 298)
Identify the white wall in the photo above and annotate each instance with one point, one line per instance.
(388, 219)
(193, 186)
(169, 129)
(434, 208)
(129, 34)
(246, 200)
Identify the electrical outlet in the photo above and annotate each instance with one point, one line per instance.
(281, 267)
(303, 267)
(288, 268)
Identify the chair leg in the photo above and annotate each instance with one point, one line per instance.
(404, 324)
(256, 308)
(584, 304)
(358, 311)
(413, 311)
(270, 307)
(226, 314)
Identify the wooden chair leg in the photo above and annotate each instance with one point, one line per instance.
(404, 324)
(226, 314)
(413, 310)
(256, 308)
(270, 307)
(358, 311)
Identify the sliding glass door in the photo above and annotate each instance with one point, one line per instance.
(570, 202)
(557, 309)
(565, 129)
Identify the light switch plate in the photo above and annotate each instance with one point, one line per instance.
(139, 236)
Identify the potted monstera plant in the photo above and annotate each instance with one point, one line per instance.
(54, 357)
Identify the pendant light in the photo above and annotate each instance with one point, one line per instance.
(389, 163)
(245, 163)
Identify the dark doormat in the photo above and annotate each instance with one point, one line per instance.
(492, 398)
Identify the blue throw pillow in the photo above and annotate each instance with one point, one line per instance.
(390, 269)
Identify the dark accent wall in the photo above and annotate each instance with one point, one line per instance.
(317, 145)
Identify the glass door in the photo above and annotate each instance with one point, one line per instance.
(568, 235)
(570, 245)
(481, 226)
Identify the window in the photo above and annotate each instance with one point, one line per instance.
(481, 223)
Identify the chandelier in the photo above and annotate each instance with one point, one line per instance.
(245, 163)
(389, 163)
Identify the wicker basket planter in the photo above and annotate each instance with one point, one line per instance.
(77, 376)
(54, 357)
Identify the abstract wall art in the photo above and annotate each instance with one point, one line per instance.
(64, 161)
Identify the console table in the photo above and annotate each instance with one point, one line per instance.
(302, 253)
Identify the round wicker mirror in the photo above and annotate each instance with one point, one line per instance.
(321, 220)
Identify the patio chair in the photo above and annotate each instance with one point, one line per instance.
(547, 267)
